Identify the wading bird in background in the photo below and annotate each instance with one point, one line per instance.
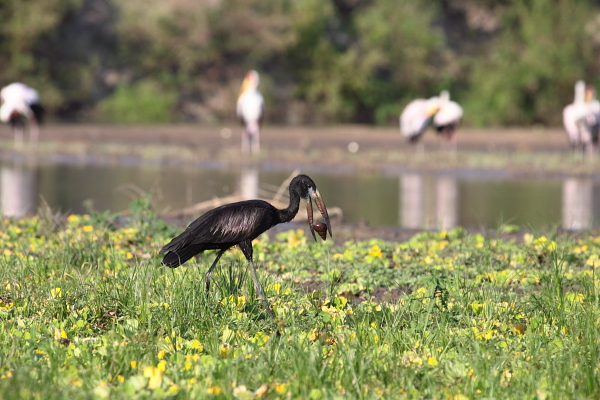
(580, 118)
(250, 110)
(19, 103)
(416, 116)
(594, 107)
(239, 223)
(448, 117)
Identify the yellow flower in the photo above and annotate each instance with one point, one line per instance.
(129, 255)
(593, 260)
(280, 387)
(88, 228)
(214, 390)
(486, 335)
(76, 382)
(276, 287)
(195, 344)
(133, 364)
(172, 390)
(223, 352)
(375, 251)
(56, 292)
(60, 334)
(576, 297)
(432, 361)
(154, 376)
(162, 366)
(161, 354)
(121, 378)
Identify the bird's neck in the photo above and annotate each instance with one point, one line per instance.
(288, 214)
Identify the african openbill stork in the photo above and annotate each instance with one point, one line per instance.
(249, 109)
(19, 103)
(238, 224)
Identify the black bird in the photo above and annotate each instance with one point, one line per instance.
(238, 224)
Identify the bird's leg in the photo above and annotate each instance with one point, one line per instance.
(255, 139)
(246, 247)
(259, 290)
(245, 141)
(209, 272)
(18, 129)
(452, 140)
(34, 132)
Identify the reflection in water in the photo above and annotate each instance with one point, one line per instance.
(19, 189)
(411, 201)
(447, 202)
(577, 203)
(428, 202)
(249, 183)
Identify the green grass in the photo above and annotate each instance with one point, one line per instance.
(86, 311)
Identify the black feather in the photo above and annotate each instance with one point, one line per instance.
(232, 224)
(174, 259)
(238, 224)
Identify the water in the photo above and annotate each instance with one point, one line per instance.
(407, 199)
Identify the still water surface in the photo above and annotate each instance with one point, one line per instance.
(406, 199)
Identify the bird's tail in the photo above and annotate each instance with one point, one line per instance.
(175, 258)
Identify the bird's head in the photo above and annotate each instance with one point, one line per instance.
(251, 81)
(307, 190)
(432, 106)
(590, 93)
(444, 96)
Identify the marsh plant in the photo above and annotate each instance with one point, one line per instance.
(87, 311)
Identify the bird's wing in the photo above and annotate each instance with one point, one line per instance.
(31, 96)
(413, 119)
(250, 106)
(570, 123)
(230, 223)
(450, 113)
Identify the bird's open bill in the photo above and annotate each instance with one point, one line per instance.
(321, 206)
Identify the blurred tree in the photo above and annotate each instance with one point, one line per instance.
(507, 61)
(403, 50)
(26, 28)
(527, 76)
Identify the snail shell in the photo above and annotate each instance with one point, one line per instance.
(321, 228)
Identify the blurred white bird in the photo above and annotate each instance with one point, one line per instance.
(581, 119)
(594, 107)
(416, 116)
(448, 117)
(250, 110)
(19, 103)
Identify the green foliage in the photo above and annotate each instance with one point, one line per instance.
(142, 102)
(508, 62)
(86, 311)
(528, 75)
(26, 32)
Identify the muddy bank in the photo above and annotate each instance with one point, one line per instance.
(307, 137)
(515, 151)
